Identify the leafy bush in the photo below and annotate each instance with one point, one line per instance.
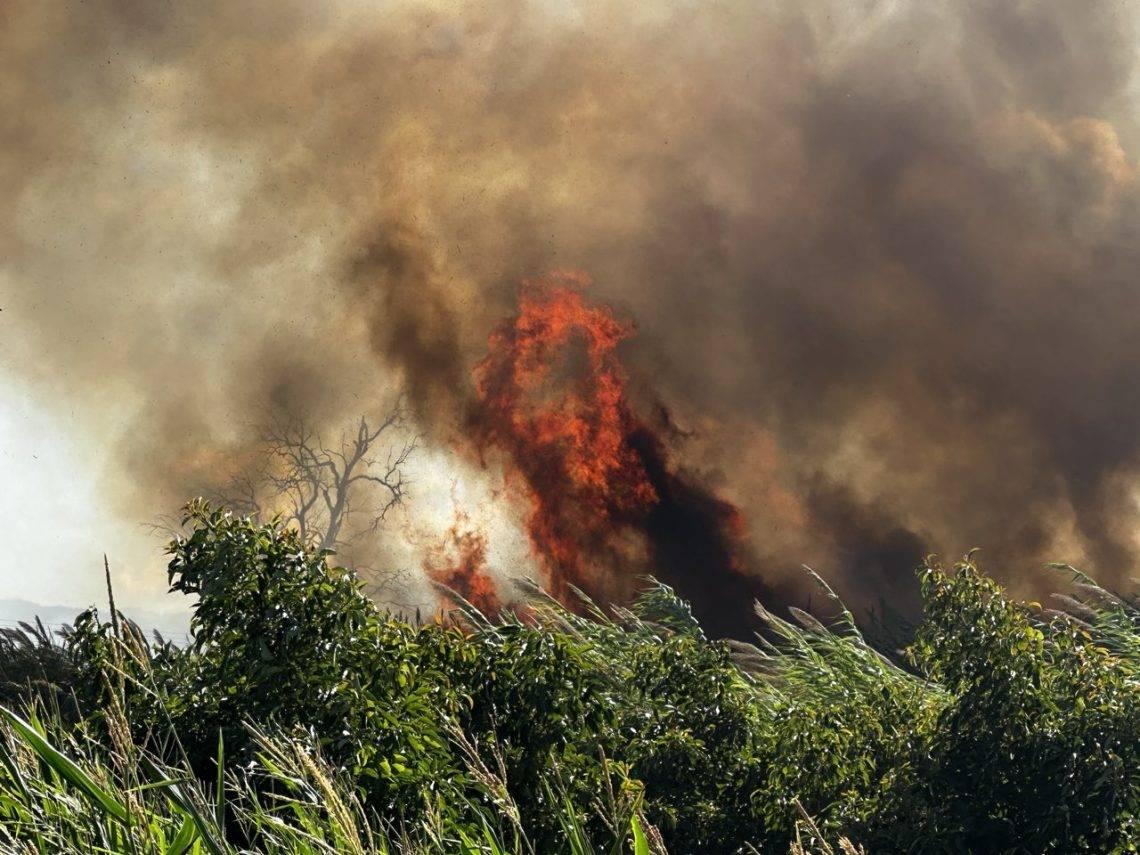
(301, 718)
(1039, 748)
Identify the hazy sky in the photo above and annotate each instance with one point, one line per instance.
(53, 527)
(881, 256)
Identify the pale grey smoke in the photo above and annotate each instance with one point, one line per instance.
(881, 255)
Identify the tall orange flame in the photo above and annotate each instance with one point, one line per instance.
(552, 394)
(606, 506)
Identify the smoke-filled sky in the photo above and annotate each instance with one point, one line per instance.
(881, 259)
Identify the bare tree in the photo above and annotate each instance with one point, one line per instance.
(324, 485)
(335, 493)
(319, 486)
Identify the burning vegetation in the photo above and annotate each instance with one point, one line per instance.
(606, 505)
(850, 264)
(459, 563)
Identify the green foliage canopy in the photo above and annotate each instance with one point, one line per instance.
(1011, 730)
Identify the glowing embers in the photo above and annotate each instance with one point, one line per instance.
(459, 562)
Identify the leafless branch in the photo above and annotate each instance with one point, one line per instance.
(320, 487)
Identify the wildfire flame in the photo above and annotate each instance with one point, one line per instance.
(606, 505)
(459, 562)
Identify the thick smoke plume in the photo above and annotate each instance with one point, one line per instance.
(880, 255)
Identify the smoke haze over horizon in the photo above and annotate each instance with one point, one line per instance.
(880, 256)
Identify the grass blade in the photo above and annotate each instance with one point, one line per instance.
(67, 768)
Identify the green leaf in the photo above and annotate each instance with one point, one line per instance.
(219, 783)
(66, 768)
(184, 839)
(640, 841)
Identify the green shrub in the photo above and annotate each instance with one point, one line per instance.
(1009, 729)
(1039, 749)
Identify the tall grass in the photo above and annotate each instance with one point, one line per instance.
(67, 787)
(62, 792)
(851, 745)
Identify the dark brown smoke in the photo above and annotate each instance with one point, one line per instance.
(880, 254)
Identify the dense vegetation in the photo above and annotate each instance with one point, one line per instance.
(303, 719)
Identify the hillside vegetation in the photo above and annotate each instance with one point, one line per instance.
(303, 719)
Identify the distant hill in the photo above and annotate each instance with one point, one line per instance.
(173, 626)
